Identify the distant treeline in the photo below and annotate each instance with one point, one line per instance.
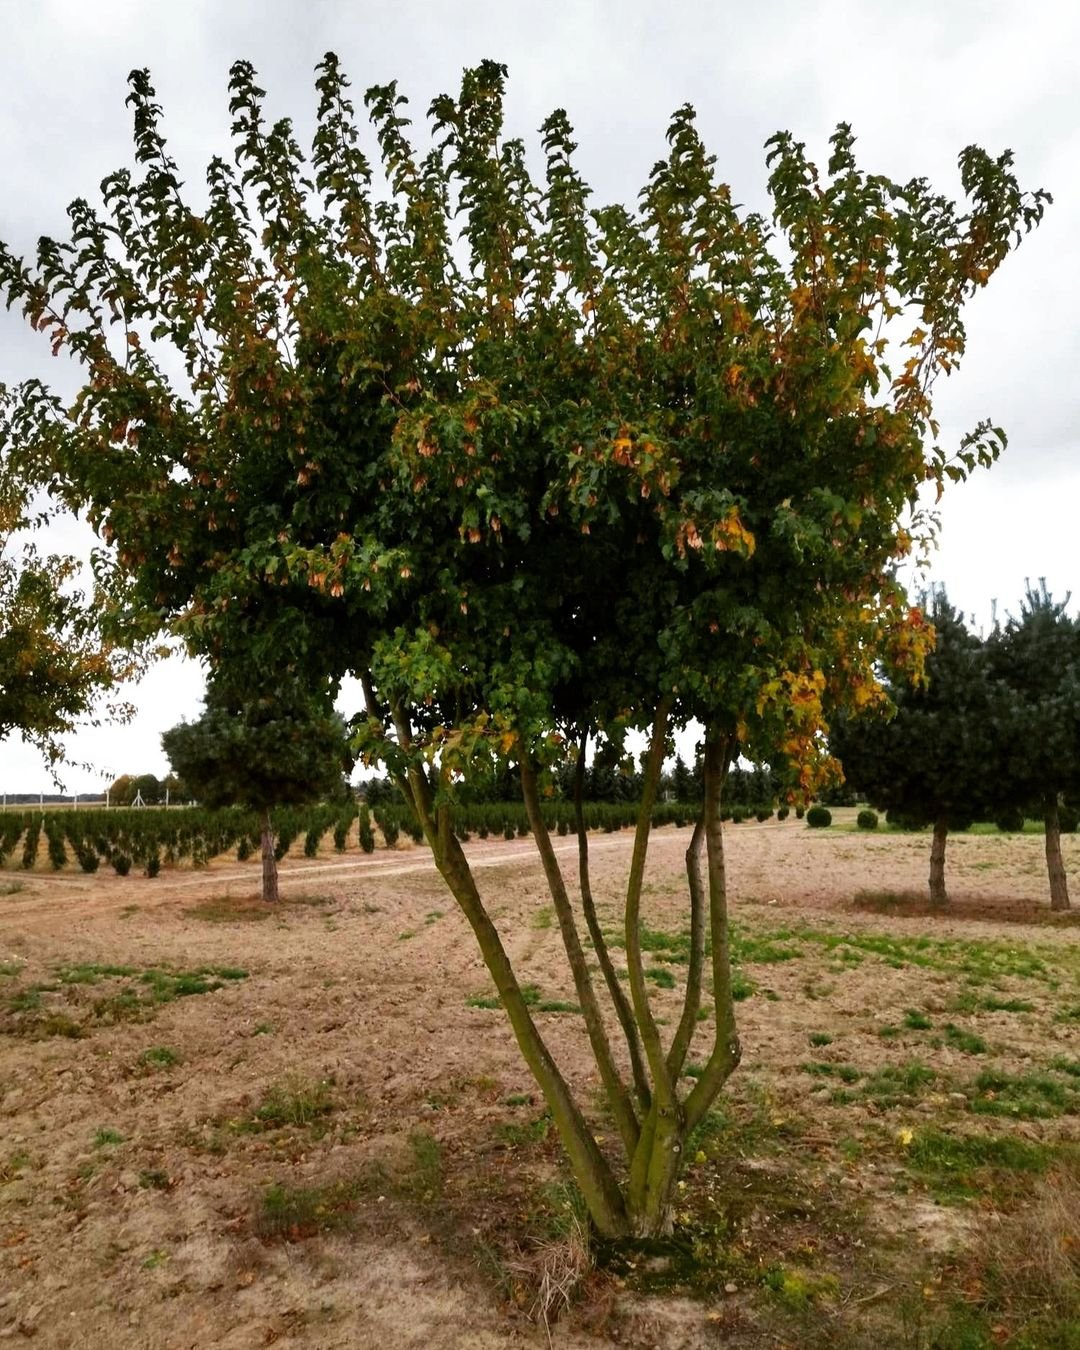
(14, 799)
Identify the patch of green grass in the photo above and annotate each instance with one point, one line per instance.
(26, 1000)
(992, 1004)
(963, 1040)
(1068, 1014)
(819, 1038)
(965, 1167)
(532, 997)
(799, 1289)
(10, 969)
(518, 1099)
(159, 1057)
(1062, 1064)
(742, 986)
(891, 1085)
(847, 1073)
(664, 979)
(982, 960)
(754, 949)
(916, 1020)
(1025, 1096)
(543, 918)
(532, 1132)
(938, 1150)
(433, 916)
(296, 1103)
(295, 1212)
(90, 973)
(132, 995)
(156, 1258)
(107, 1136)
(424, 1181)
(153, 1179)
(14, 1166)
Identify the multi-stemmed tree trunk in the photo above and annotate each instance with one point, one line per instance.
(641, 1080)
(1055, 867)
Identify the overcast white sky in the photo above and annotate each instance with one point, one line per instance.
(918, 81)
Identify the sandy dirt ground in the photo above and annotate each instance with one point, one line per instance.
(331, 1048)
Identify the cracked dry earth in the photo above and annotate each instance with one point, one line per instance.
(306, 1133)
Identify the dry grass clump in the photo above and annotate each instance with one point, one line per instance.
(556, 1268)
(1034, 1254)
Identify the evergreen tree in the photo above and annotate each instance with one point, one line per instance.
(927, 763)
(1035, 659)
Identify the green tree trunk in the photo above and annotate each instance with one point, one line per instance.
(938, 894)
(269, 862)
(1059, 885)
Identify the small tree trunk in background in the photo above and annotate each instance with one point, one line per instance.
(1059, 886)
(269, 862)
(937, 861)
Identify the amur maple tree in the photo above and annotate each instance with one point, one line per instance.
(57, 669)
(537, 472)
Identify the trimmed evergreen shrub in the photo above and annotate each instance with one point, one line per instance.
(1010, 820)
(867, 820)
(88, 858)
(782, 812)
(819, 817)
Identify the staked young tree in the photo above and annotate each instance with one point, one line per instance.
(1035, 658)
(928, 759)
(279, 749)
(536, 472)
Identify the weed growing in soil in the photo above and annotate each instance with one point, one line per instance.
(299, 1103)
(159, 1057)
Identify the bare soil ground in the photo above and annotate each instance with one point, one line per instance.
(228, 1127)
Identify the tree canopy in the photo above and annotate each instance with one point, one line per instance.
(928, 758)
(535, 471)
(1035, 660)
(283, 747)
(54, 663)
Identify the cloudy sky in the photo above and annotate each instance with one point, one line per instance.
(917, 81)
